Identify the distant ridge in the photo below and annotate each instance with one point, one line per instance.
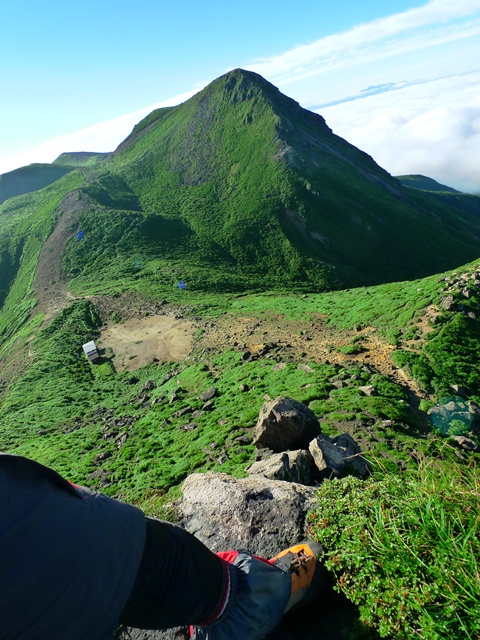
(81, 158)
(39, 175)
(30, 178)
(424, 183)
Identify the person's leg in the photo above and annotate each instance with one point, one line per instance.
(179, 582)
(258, 597)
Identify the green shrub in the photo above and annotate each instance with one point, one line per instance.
(406, 549)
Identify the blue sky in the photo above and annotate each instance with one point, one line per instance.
(399, 79)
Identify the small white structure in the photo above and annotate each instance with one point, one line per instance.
(91, 351)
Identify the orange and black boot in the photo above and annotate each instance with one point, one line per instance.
(308, 573)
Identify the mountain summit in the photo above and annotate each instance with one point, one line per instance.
(266, 187)
(241, 188)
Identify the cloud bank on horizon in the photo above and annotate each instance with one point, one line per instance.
(402, 88)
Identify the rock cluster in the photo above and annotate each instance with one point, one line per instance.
(301, 453)
(460, 288)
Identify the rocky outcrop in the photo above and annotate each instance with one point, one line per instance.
(266, 512)
(284, 424)
(256, 513)
(264, 516)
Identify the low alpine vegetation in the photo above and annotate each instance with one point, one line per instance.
(406, 549)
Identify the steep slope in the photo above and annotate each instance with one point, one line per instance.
(26, 224)
(240, 179)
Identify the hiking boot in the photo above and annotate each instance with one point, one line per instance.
(309, 575)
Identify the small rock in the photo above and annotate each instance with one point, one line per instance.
(368, 390)
(460, 391)
(467, 444)
(188, 427)
(448, 303)
(305, 367)
(182, 412)
(208, 394)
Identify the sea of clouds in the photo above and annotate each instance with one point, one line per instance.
(431, 128)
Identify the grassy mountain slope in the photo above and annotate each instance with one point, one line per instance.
(64, 411)
(239, 187)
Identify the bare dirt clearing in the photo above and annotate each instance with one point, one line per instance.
(302, 340)
(297, 338)
(139, 341)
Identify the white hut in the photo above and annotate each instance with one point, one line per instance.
(91, 351)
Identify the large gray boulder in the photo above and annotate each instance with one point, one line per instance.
(291, 466)
(284, 424)
(255, 513)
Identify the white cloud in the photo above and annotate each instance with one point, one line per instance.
(431, 128)
(408, 31)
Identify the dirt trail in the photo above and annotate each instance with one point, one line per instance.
(50, 280)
